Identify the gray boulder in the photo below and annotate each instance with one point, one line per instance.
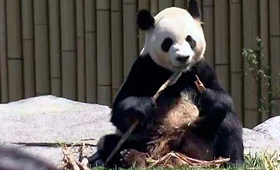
(39, 125)
(257, 142)
(270, 127)
(265, 137)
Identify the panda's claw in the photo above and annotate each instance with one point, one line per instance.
(132, 157)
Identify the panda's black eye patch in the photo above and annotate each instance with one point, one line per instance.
(191, 41)
(166, 44)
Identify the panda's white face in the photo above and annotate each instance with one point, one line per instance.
(175, 39)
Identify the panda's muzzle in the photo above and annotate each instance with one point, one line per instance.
(182, 59)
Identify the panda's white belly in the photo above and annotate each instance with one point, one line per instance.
(178, 113)
(172, 121)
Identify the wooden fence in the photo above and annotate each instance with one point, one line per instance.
(83, 49)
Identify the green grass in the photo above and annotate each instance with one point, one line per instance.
(263, 161)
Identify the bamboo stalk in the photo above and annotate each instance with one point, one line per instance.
(55, 47)
(14, 50)
(28, 48)
(68, 47)
(3, 54)
(80, 24)
(236, 80)
(103, 52)
(250, 32)
(130, 46)
(42, 64)
(116, 46)
(90, 51)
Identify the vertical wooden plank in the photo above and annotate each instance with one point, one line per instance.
(264, 35)
(180, 3)
(222, 42)
(250, 32)
(236, 56)
(200, 3)
(129, 34)
(116, 46)
(68, 47)
(42, 68)
(103, 52)
(55, 47)
(14, 46)
(3, 54)
(162, 4)
(142, 4)
(81, 82)
(90, 51)
(154, 7)
(28, 48)
(274, 12)
(208, 26)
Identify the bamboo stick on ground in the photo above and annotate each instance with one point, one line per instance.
(70, 158)
(71, 163)
(83, 158)
(185, 161)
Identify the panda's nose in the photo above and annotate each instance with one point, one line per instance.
(182, 59)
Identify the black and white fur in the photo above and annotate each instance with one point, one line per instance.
(173, 37)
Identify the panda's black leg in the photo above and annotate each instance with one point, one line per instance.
(107, 144)
(104, 147)
(230, 144)
(95, 160)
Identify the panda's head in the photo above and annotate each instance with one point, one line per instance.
(174, 37)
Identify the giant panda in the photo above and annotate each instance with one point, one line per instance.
(174, 37)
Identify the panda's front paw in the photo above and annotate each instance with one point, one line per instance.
(133, 158)
(95, 160)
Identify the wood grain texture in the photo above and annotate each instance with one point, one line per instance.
(264, 35)
(68, 47)
(208, 27)
(154, 7)
(116, 46)
(129, 34)
(28, 48)
(90, 51)
(80, 24)
(42, 60)
(222, 41)
(180, 3)
(142, 4)
(14, 50)
(162, 4)
(3, 54)
(236, 60)
(250, 32)
(274, 12)
(55, 47)
(103, 52)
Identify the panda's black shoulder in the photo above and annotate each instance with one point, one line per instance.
(144, 79)
(207, 74)
(145, 66)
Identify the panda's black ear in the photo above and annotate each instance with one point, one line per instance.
(145, 20)
(194, 9)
